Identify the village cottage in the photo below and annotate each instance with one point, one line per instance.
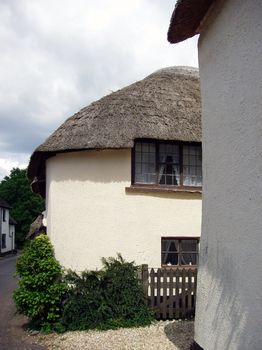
(124, 174)
(7, 229)
(229, 294)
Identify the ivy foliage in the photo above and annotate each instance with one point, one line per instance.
(110, 298)
(41, 290)
(26, 205)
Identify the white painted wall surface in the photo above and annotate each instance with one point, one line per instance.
(5, 230)
(90, 215)
(229, 304)
(11, 240)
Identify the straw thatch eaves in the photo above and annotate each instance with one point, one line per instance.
(186, 19)
(36, 228)
(165, 105)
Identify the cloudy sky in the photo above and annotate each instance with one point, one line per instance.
(59, 55)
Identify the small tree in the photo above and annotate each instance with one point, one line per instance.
(41, 289)
(26, 205)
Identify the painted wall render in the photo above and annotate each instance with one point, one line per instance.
(90, 215)
(8, 230)
(229, 299)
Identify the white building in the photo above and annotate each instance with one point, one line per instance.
(7, 229)
(229, 295)
(125, 174)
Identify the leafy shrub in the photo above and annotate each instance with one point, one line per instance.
(41, 290)
(110, 298)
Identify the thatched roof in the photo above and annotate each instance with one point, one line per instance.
(165, 105)
(4, 204)
(36, 228)
(186, 19)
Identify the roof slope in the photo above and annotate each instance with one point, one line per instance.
(165, 105)
(4, 204)
(186, 19)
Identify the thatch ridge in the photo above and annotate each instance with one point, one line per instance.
(165, 105)
(186, 18)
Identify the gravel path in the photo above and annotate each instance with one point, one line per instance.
(176, 335)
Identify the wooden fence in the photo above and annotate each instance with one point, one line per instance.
(170, 291)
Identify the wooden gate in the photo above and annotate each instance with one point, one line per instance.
(170, 291)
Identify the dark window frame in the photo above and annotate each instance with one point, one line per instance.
(4, 214)
(181, 251)
(180, 144)
(3, 241)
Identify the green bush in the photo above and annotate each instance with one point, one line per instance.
(41, 290)
(106, 299)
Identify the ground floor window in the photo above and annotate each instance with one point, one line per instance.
(3, 240)
(179, 251)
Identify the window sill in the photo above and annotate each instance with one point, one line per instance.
(161, 188)
(180, 267)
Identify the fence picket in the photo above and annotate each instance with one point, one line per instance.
(177, 306)
(171, 294)
(158, 312)
(152, 289)
(164, 303)
(183, 292)
(189, 293)
(170, 291)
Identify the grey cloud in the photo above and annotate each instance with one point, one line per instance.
(53, 63)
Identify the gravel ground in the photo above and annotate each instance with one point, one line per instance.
(175, 335)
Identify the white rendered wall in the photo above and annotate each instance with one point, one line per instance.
(229, 299)
(5, 230)
(90, 215)
(11, 241)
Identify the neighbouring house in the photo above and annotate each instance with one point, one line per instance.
(124, 174)
(7, 229)
(229, 295)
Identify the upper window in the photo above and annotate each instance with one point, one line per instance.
(167, 163)
(4, 214)
(176, 251)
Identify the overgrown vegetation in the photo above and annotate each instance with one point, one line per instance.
(110, 298)
(41, 290)
(26, 205)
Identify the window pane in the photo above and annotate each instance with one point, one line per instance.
(145, 163)
(169, 251)
(189, 245)
(138, 146)
(152, 147)
(3, 240)
(144, 157)
(170, 259)
(179, 251)
(138, 168)
(192, 165)
(188, 258)
(169, 173)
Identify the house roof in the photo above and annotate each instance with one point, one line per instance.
(35, 226)
(165, 105)
(12, 221)
(4, 204)
(186, 19)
